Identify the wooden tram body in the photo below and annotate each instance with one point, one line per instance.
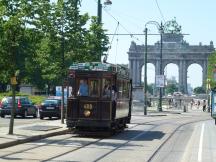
(97, 111)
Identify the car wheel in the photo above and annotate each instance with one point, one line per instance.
(35, 115)
(50, 117)
(25, 114)
(2, 115)
(41, 117)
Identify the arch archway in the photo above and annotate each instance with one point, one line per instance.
(175, 50)
(171, 71)
(194, 77)
(150, 77)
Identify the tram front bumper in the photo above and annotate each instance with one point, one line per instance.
(89, 123)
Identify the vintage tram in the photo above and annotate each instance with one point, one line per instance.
(101, 97)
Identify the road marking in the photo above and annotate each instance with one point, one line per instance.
(201, 143)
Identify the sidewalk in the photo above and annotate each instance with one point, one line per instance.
(31, 132)
(153, 110)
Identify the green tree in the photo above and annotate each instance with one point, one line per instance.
(150, 88)
(199, 90)
(211, 69)
(12, 41)
(172, 86)
(34, 35)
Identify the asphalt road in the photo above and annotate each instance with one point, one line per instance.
(191, 143)
(173, 137)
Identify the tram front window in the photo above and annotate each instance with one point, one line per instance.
(106, 88)
(94, 87)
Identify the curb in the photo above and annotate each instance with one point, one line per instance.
(33, 138)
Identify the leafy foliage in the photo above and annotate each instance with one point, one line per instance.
(41, 39)
(199, 90)
(211, 69)
(172, 86)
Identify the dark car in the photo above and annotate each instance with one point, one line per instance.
(23, 107)
(51, 107)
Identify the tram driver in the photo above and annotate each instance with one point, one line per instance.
(107, 91)
(83, 88)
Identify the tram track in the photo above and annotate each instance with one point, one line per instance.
(171, 135)
(129, 140)
(155, 124)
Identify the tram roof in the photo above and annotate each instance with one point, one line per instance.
(98, 66)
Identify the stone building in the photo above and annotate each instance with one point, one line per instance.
(174, 50)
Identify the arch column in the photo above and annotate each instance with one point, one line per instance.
(130, 68)
(157, 72)
(135, 73)
(183, 77)
(133, 66)
(204, 67)
(138, 74)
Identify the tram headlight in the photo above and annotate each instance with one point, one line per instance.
(87, 113)
(88, 106)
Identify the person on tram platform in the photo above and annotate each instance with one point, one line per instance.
(83, 88)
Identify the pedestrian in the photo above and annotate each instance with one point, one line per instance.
(198, 104)
(204, 105)
(169, 102)
(191, 103)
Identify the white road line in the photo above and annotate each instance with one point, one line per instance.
(201, 143)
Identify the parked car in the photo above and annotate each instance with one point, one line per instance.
(50, 107)
(23, 107)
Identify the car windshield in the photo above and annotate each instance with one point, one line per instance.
(51, 101)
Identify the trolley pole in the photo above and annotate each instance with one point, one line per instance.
(145, 74)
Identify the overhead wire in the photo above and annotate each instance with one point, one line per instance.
(160, 10)
(129, 33)
(106, 56)
(117, 41)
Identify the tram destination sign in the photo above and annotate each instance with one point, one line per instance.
(98, 66)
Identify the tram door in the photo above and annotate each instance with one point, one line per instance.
(213, 104)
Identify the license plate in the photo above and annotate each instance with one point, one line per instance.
(50, 108)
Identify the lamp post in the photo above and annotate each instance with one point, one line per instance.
(145, 74)
(99, 19)
(160, 28)
(161, 70)
(99, 14)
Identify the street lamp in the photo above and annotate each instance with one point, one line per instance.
(99, 18)
(107, 2)
(145, 73)
(160, 28)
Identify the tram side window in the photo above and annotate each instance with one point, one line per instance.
(106, 91)
(83, 88)
(120, 88)
(125, 90)
(94, 88)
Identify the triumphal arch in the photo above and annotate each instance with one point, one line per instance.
(174, 50)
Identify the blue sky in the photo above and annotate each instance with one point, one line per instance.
(197, 18)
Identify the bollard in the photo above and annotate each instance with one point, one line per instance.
(184, 109)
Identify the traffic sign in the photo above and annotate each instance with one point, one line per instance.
(160, 80)
(13, 81)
